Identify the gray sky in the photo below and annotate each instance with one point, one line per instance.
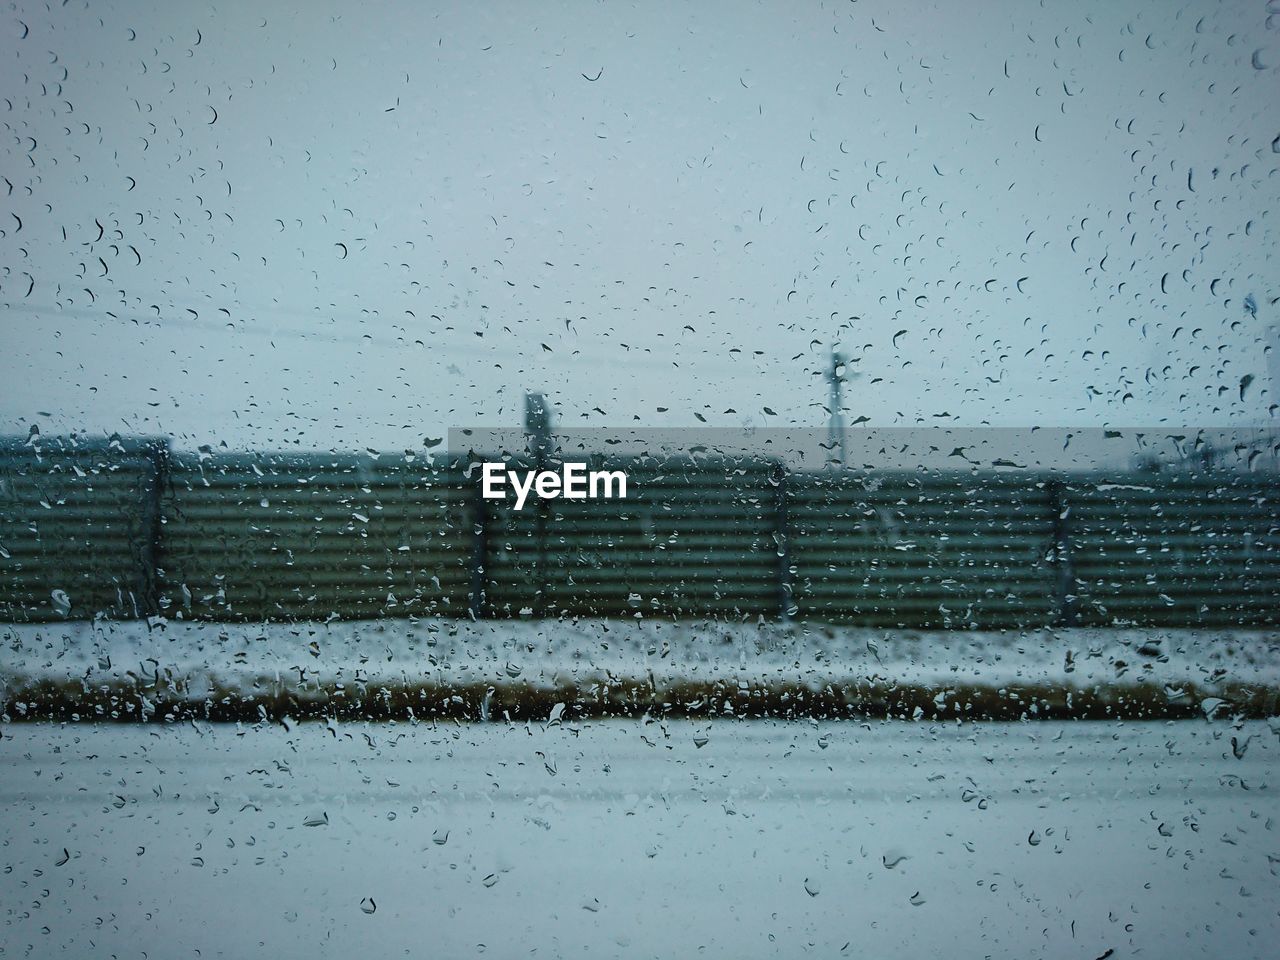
(401, 219)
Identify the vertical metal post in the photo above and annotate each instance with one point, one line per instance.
(537, 424)
(479, 543)
(1065, 592)
(540, 535)
(154, 470)
(781, 523)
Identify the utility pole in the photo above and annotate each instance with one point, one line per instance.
(835, 432)
(537, 427)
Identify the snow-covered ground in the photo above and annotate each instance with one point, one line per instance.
(720, 838)
(148, 666)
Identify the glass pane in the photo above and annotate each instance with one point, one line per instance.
(590, 479)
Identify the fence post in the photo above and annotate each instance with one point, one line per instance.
(479, 542)
(541, 580)
(1065, 588)
(155, 477)
(538, 437)
(782, 542)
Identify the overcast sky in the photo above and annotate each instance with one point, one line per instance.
(334, 225)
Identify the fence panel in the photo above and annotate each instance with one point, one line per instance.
(1176, 550)
(923, 550)
(269, 537)
(78, 529)
(691, 539)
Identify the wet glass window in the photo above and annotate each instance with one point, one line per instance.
(639, 480)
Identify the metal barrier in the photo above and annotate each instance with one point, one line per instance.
(128, 529)
(80, 521)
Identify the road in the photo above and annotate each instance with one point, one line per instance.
(623, 838)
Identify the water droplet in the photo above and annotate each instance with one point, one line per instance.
(61, 602)
(1211, 705)
(892, 858)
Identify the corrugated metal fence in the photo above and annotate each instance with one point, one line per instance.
(129, 529)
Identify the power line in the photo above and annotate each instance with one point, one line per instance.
(635, 356)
